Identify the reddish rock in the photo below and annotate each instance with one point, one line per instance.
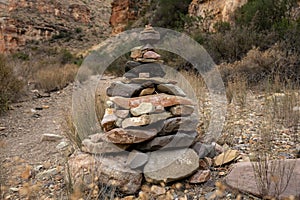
(151, 55)
(201, 176)
(242, 177)
(157, 100)
(130, 136)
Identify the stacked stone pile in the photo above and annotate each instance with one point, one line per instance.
(149, 117)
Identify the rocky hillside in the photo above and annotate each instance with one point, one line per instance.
(216, 10)
(75, 25)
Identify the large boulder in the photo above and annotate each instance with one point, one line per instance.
(167, 166)
(281, 172)
(111, 171)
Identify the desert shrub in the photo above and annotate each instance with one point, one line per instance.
(258, 66)
(52, 78)
(232, 45)
(10, 86)
(222, 26)
(21, 56)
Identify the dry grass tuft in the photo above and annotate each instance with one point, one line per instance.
(10, 87)
(55, 77)
(70, 130)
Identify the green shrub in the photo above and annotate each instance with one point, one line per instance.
(263, 14)
(171, 14)
(21, 56)
(10, 86)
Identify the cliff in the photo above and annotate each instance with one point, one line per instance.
(72, 24)
(212, 11)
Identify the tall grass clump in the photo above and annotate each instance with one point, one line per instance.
(10, 86)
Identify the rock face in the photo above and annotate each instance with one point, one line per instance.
(172, 165)
(242, 178)
(124, 11)
(214, 11)
(110, 170)
(40, 20)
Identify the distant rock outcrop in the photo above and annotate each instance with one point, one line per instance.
(124, 11)
(214, 10)
(24, 21)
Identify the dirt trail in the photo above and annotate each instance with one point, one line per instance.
(22, 148)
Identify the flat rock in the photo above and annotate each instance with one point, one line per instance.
(167, 166)
(51, 137)
(137, 159)
(109, 119)
(180, 140)
(111, 171)
(147, 60)
(154, 80)
(159, 117)
(151, 54)
(102, 147)
(47, 173)
(130, 136)
(147, 91)
(124, 90)
(136, 121)
(171, 89)
(122, 113)
(242, 177)
(187, 124)
(204, 150)
(153, 68)
(182, 110)
(200, 176)
(163, 100)
(144, 75)
(62, 145)
(226, 157)
(98, 137)
(130, 65)
(143, 108)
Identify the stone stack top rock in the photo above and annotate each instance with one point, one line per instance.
(149, 35)
(146, 62)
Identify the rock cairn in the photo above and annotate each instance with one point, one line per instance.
(149, 120)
